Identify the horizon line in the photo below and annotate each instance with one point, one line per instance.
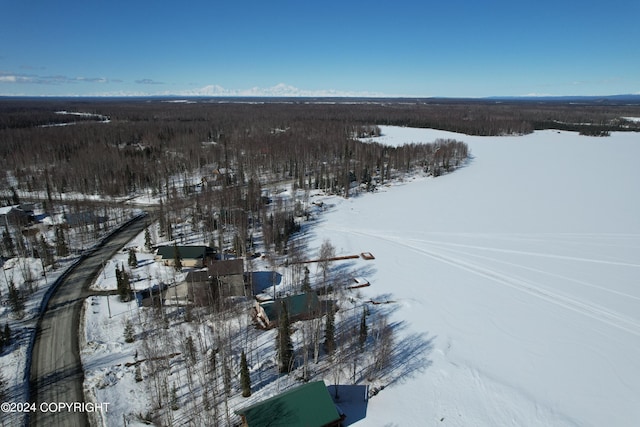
(178, 97)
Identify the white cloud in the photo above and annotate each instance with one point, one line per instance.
(51, 79)
(90, 79)
(535, 94)
(213, 90)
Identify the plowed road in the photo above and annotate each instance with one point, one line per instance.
(56, 370)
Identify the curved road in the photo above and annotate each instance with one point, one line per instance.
(56, 370)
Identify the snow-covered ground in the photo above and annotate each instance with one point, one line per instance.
(514, 281)
(520, 269)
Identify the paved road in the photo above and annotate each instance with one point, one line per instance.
(56, 370)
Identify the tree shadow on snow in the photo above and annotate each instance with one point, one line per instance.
(352, 401)
(410, 355)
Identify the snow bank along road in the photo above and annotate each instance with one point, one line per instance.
(56, 370)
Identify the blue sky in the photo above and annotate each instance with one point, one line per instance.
(451, 48)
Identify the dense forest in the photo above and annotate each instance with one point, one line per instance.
(118, 147)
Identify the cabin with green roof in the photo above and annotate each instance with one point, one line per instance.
(299, 307)
(190, 256)
(309, 405)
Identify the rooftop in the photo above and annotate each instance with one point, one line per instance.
(297, 305)
(226, 267)
(308, 405)
(186, 252)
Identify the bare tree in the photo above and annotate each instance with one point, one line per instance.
(383, 348)
(326, 253)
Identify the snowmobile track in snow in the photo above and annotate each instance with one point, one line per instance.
(592, 310)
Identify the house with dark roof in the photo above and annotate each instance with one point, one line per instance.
(299, 307)
(17, 215)
(309, 405)
(77, 219)
(229, 274)
(190, 256)
(204, 287)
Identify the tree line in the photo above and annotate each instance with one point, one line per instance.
(149, 145)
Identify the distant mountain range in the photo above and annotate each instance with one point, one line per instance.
(633, 98)
(285, 93)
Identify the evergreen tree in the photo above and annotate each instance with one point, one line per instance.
(133, 260)
(7, 333)
(245, 378)
(177, 258)
(15, 299)
(129, 335)
(306, 282)
(362, 337)
(7, 241)
(283, 341)
(329, 332)
(174, 398)
(15, 198)
(226, 375)
(118, 278)
(147, 239)
(190, 349)
(126, 285)
(61, 244)
(122, 283)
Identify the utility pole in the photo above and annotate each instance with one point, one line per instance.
(108, 306)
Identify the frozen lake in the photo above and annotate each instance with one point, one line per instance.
(521, 269)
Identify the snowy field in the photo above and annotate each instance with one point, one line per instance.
(520, 270)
